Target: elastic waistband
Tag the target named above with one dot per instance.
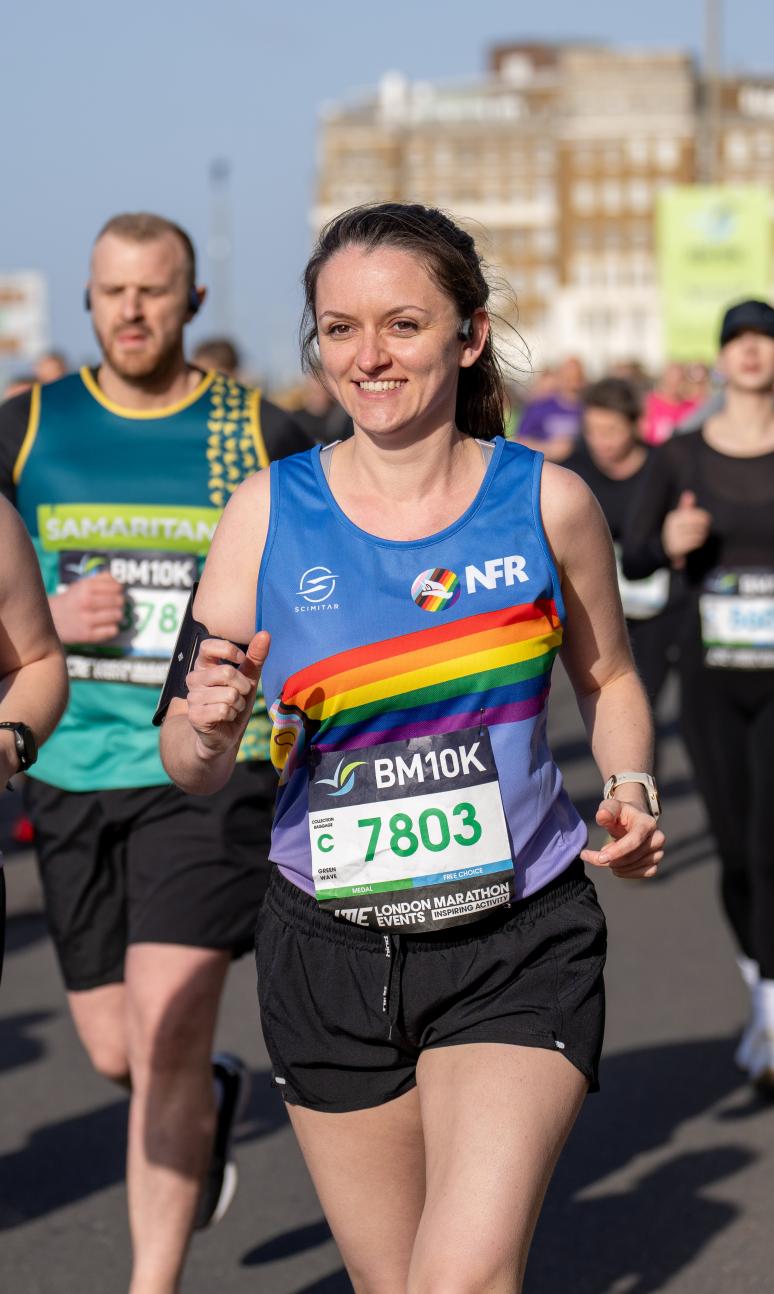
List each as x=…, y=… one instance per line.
x=297, y=908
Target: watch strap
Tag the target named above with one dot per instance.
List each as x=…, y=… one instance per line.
x=26, y=745
x=644, y=779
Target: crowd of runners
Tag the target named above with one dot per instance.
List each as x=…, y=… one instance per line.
x=341, y=620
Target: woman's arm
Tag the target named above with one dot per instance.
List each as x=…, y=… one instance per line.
x=598, y=660
x=200, y=736
x=33, y=674
x=665, y=524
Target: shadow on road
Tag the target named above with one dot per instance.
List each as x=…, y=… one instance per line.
x=18, y=1043
x=634, y=1238
x=336, y=1283
x=63, y=1162
x=288, y=1244
x=24, y=929
x=77, y=1157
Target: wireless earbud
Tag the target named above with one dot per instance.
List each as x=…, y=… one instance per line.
x=87, y=299
x=464, y=330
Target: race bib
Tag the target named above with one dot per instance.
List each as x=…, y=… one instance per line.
x=737, y=619
x=642, y=599
x=157, y=588
x=410, y=835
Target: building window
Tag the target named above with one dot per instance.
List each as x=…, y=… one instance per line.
x=584, y=269
x=583, y=195
x=544, y=240
x=637, y=150
x=544, y=280
x=642, y=268
x=639, y=195
x=737, y=147
x=667, y=154
x=611, y=196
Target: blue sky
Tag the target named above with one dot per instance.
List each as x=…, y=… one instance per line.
x=111, y=107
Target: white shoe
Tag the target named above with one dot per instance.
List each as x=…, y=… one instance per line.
x=761, y=1063
x=744, y=1052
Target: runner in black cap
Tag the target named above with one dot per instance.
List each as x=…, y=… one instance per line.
x=708, y=510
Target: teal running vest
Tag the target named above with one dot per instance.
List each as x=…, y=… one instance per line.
x=138, y=494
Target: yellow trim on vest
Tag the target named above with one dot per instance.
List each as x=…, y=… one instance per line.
x=33, y=422
x=255, y=427
x=165, y=412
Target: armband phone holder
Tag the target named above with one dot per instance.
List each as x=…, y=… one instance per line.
x=189, y=639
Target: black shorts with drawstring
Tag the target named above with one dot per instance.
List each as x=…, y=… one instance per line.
x=347, y=1011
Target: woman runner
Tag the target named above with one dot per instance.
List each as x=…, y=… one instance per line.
x=430, y=954
x=707, y=507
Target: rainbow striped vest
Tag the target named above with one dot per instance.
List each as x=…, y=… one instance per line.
x=375, y=640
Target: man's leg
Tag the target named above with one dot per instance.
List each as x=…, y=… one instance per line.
x=172, y=997
x=81, y=860
x=99, y=1016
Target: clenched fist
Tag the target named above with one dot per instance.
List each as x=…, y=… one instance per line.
x=221, y=691
x=685, y=529
x=90, y=610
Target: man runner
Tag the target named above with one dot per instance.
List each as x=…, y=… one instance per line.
x=120, y=474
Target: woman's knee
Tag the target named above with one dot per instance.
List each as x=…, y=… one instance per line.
x=443, y=1278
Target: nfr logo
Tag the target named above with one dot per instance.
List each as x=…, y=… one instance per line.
x=496, y=569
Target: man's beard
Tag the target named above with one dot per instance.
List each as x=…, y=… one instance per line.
x=148, y=366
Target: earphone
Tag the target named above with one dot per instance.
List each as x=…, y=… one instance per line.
x=193, y=300
x=464, y=330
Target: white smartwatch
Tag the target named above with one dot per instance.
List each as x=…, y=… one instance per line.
x=644, y=779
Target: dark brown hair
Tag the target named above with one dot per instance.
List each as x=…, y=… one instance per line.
x=450, y=255
x=614, y=394
x=144, y=227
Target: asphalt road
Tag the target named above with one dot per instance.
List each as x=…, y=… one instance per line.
x=665, y=1184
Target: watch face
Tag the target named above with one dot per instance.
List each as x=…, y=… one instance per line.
x=26, y=745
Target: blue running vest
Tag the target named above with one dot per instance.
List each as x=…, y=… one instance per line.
x=375, y=640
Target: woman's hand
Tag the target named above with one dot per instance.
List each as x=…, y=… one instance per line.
x=221, y=692
x=685, y=529
x=637, y=845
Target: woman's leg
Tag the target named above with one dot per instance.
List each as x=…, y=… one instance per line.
x=368, y=1168
x=760, y=835
x=495, y=1117
x=716, y=729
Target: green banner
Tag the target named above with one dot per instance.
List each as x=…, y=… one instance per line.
x=714, y=248
x=105, y=526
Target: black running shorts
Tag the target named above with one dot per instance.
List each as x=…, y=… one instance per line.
x=151, y=865
x=346, y=1011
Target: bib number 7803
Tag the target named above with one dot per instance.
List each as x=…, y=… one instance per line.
x=435, y=831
